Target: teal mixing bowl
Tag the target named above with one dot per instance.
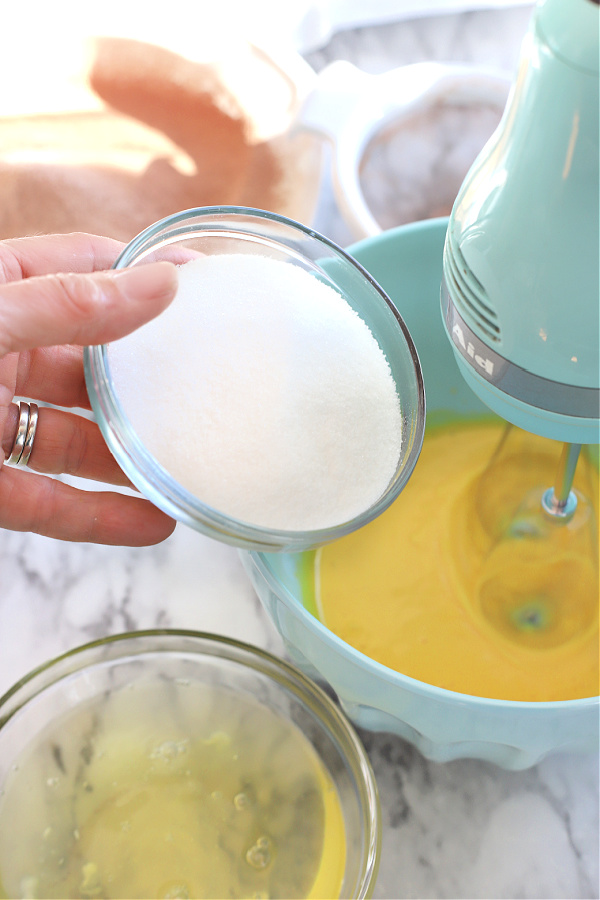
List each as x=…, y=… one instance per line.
x=444, y=725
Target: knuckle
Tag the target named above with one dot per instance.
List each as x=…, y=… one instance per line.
x=82, y=292
x=84, y=299
x=76, y=448
x=10, y=268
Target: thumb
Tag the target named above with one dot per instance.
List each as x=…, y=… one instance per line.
x=91, y=308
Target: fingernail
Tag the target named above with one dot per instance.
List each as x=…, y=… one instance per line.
x=148, y=281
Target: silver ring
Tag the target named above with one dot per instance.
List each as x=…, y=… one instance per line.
x=23, y=445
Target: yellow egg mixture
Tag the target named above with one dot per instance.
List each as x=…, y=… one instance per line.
x=173, y=790
x=464, y=583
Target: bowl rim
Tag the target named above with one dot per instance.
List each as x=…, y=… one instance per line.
x=155, y=481
x=284, y=673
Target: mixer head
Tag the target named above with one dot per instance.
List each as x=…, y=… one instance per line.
x=520, y=294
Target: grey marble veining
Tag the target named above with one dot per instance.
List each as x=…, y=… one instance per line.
x=491, y=37
x=467, y=829
x=463, y=829
x=54, y=596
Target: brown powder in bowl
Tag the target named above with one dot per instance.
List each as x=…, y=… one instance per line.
x=157, y=133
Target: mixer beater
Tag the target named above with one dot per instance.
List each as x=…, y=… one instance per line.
x=560, y=501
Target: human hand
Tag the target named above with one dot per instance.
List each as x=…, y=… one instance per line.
x=45, y=320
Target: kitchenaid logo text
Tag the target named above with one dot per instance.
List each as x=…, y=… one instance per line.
x=469, y=350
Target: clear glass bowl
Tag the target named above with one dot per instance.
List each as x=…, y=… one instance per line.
x=214, y=230
x=91, y=675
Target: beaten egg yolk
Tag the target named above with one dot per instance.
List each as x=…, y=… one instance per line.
x=464, y=582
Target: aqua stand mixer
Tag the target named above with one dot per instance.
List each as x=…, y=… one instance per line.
x=520, y=295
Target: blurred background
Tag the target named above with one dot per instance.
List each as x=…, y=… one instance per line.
x=115, y=115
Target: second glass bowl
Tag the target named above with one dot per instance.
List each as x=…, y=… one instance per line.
x=215, y=230
x=154, y=760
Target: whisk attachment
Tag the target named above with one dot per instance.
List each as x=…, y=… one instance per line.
x=560, y=501
x=528, y=554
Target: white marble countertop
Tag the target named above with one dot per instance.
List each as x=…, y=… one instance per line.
x=462, y=829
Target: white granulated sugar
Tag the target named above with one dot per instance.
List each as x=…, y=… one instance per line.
x=264, y=394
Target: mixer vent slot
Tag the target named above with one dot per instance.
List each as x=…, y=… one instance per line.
x=469, y=295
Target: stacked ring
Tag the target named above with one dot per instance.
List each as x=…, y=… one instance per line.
x=23, y=444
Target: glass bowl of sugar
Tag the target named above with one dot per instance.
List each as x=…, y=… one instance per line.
x=278, y=402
